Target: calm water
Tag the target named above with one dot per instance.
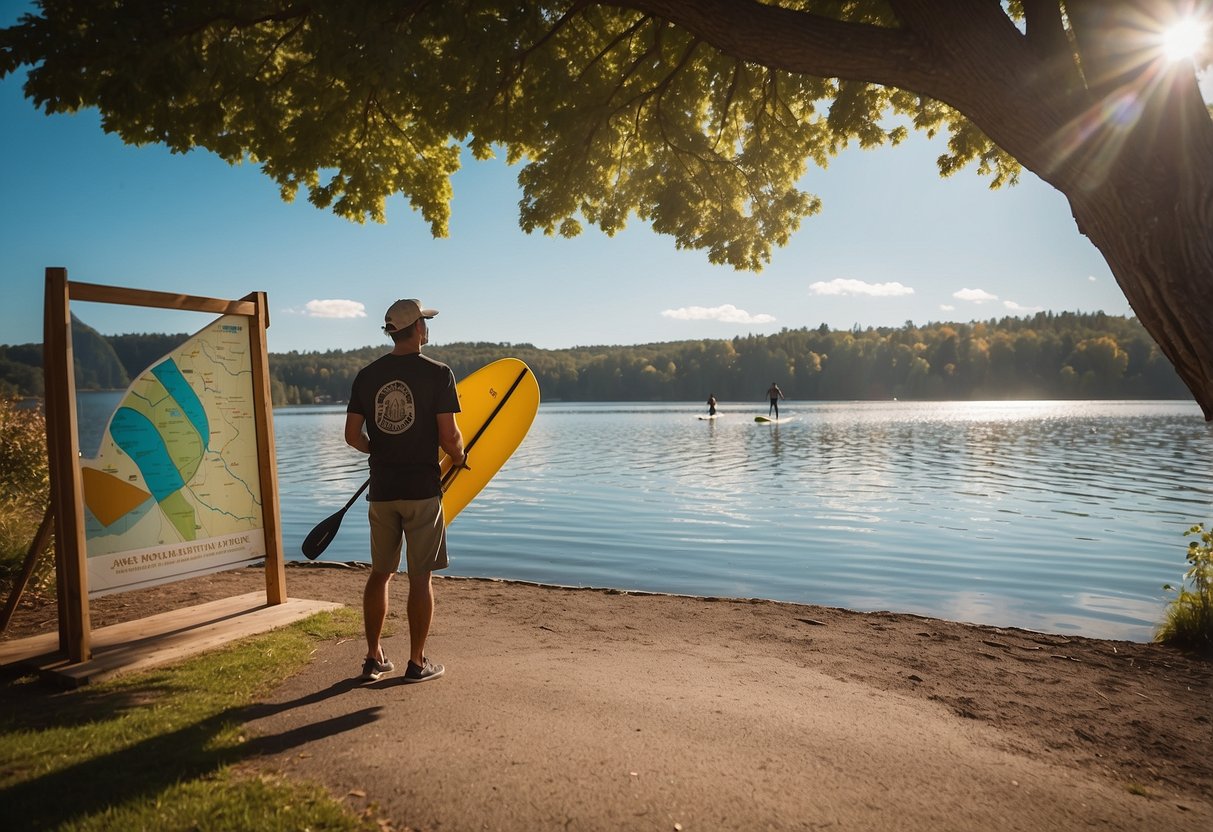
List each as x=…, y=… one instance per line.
x=1058, y=516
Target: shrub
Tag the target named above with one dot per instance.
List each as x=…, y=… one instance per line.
x=24, y=469
x=1189, y=617
x=24, y=491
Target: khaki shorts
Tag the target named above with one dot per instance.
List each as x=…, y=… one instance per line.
x=417, y=523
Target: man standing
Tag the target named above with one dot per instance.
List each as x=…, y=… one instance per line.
x=402, y=409
x=774, y=394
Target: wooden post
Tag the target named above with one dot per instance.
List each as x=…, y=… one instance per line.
x=67, y=489
x=267, y=459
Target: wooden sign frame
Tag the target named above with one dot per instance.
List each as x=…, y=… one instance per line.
x=63, y=443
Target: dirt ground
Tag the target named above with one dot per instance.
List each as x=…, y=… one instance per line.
x=901, y=721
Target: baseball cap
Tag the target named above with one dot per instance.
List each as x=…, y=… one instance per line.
x=404, y=313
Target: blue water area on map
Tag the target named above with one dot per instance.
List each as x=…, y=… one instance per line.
x=94, y=528
x=139, y=439
x=168, y=374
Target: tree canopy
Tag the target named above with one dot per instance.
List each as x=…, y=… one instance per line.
x=699, y=117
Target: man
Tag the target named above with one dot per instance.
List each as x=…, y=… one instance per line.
x=774, y=394
x=402, y=409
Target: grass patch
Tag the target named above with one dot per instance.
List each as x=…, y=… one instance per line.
x=230, y=801
x=160, y=750
x=1188, y=621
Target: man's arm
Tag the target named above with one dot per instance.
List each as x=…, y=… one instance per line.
x=450, y=438
x=355, y=436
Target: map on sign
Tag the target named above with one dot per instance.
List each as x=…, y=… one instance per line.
x=174, y=490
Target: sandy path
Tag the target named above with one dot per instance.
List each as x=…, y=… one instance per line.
x=590, y=710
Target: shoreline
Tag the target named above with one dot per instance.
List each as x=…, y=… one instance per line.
x=741, y=599
x=1153, y=625
x=1131, y=719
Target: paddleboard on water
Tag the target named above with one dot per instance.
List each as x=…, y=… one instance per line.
x=767, y=420
x=497, y=404
x=708, y=418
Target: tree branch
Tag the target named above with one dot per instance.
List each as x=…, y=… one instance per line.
x=287, y=35
x=798, y=41
x=1044, y=29
x=193, y=28
x=1100, y=31
x=1046, y=35
x=728, y=104
x=626, y=34
x=967, y=54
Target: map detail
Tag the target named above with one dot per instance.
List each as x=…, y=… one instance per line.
x=174, y=489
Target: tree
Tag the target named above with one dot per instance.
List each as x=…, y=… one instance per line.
x=95, y=362
x=697, y=116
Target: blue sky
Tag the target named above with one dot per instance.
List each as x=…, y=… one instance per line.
x=114, y=214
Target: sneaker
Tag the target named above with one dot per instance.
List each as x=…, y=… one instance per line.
x=422, y=672
x=372, y=670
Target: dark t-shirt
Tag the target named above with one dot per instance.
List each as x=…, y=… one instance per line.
x=400, y=397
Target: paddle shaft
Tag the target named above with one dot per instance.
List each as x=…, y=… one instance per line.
x=346, y=507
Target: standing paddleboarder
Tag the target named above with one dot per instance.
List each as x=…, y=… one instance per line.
x=402, y=409
x=774, y=394
x=711, y=404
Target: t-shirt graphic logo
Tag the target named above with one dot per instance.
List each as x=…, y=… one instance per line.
x=394, y=409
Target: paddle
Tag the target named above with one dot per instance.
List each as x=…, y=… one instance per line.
x=319, y=538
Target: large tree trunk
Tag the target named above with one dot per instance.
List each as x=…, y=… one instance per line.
x=1158, y=241
x=1141, y=189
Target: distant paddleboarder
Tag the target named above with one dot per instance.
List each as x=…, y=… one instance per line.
x=774, y=394
x=711, y=404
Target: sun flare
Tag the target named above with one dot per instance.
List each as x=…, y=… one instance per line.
x=1183, y=39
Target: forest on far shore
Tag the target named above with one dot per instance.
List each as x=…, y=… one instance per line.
x=1067, y=355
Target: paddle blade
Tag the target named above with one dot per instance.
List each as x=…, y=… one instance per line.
x=319, y=538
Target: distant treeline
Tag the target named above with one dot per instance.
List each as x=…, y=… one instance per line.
x=1048, y=356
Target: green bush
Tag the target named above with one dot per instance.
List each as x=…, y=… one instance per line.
x=1189, y=617
x=24, y=492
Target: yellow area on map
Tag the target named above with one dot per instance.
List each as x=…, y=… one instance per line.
x=109, y=497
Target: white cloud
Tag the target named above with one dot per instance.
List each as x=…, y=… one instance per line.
x=1012, y=306
x=947, y=307
x=728, y=313
x=847, y=286
x=974, y=295
x=334, y=309
x=1091, y=278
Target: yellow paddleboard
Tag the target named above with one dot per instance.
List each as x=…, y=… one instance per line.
x=497, y=404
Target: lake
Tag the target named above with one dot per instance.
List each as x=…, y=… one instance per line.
x=1065, y=517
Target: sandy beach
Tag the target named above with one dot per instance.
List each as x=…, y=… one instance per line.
x=596, y=709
